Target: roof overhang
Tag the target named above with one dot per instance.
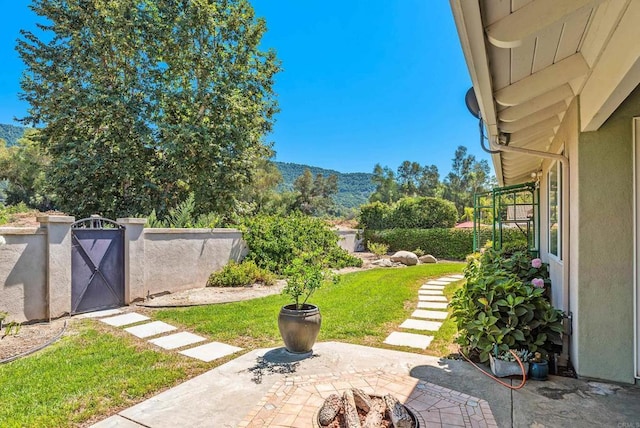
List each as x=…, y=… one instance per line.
x=528, y=59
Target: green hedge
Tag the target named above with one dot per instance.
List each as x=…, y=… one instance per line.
x=409, y=212
x=452, y=244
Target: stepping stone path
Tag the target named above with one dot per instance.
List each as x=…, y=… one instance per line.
x=157, y=331
x=432, y=310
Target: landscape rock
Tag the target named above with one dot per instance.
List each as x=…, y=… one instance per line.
x=405, y=257
x=428, y=258
x=383, y=263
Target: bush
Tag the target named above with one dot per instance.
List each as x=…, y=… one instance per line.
x=451, y=244
x=7, y=212
x=495, y=308
x=239, y=275
x=378, y=248
x=408, y=212
x=423, y=213
x=374, y=216
x=274, y=241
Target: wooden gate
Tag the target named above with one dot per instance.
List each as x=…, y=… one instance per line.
x=97, y=265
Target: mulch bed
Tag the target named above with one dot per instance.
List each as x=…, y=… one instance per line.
x=29, y=337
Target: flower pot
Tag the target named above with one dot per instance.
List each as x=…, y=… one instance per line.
x=502, y=368
x=539, y=370
x=299, y=328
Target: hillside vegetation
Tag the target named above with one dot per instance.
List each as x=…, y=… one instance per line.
x=354, y=188
x=11, y=133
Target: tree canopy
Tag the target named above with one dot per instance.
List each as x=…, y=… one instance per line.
x=140, y=103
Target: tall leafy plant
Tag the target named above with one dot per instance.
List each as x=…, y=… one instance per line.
x=497, y=308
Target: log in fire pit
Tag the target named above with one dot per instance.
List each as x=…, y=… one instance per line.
x=355, y=409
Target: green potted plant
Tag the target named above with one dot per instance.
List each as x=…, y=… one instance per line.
x=504, y=363
x=299, y=322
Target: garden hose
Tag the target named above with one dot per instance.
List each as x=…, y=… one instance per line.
x=524, y=373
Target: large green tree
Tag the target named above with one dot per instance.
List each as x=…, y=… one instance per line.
x=467, y=177
x=314, y=196
x=142, y=102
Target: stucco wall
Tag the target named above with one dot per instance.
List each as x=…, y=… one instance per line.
x=350, y=239
x=605, y=265
x=23, y=273
x=180, y=259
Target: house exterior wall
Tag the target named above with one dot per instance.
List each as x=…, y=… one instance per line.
x=604, y=311
x=180, y=259
x=23, y=280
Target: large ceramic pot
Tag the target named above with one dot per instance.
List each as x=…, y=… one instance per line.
x=299, y=328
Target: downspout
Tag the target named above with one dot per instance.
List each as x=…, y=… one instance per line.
x=565, y=172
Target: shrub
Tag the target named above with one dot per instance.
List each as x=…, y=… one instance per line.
x=418, y=252
x=378, y=248
x=495, y=307
x=274, y=241
x=239, y=275
x=183, y=216
x=423, y=213
x=7, y=212
x=451, y=244
x=374, y=216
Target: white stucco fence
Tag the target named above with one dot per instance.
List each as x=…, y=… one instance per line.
x=35, y=262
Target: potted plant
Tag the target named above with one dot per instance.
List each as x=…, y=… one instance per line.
x=504, y=363
x=539, y=368
x=299, y=322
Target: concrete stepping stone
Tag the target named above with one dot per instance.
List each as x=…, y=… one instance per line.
x=177, y=340
x=100, y=314
x=210, y=351
x=457, y=276
x=447, y=280
x=432, y=287
x=437, y=282
x=430, y=315
x=421, y=325
x=411, y=340
x=125, y=319
x=430, y=292
x=432, y=305
x=150, y=329
x=432, y=298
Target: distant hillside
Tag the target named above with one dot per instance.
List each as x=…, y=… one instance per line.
x=354, y=188
x=11, y=133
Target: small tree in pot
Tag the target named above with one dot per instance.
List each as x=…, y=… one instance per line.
x=299, y=322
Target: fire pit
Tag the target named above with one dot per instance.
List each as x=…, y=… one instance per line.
x=358, y=409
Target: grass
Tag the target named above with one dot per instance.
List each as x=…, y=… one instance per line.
x=363, y=308
x=442, y=344
x=86, y=374
x=96, y=370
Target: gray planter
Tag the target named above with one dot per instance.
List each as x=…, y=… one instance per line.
x=299, y=327
x=502, y=368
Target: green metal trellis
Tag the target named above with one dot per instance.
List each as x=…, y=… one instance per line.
x=514, y=207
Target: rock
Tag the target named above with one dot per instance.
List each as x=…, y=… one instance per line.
x=428, y=258
x=375, y=416
x=382, y=263
x=362, y=400
x=399, y=415
x=405, y=257
x=329, y=409
x=351, y=418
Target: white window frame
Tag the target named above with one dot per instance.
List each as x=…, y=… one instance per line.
x=556, y=168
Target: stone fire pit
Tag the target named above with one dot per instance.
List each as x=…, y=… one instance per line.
x=356, y=409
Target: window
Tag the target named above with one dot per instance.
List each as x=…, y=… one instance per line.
x=554, y=197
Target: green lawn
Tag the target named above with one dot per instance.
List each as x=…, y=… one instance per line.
x=88, y=373
x=363, y=308
x=96, y=370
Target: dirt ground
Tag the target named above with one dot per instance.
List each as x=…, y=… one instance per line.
x=29, y=337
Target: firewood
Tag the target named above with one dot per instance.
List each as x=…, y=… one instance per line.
x=363, y=401
x=399, y=415
x=331, y=407
x=351, y=418
x=375, y=416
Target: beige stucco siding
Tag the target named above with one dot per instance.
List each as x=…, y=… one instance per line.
x=23, y=273
x=604, y=323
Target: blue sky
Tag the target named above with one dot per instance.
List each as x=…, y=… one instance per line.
x=364, y=81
